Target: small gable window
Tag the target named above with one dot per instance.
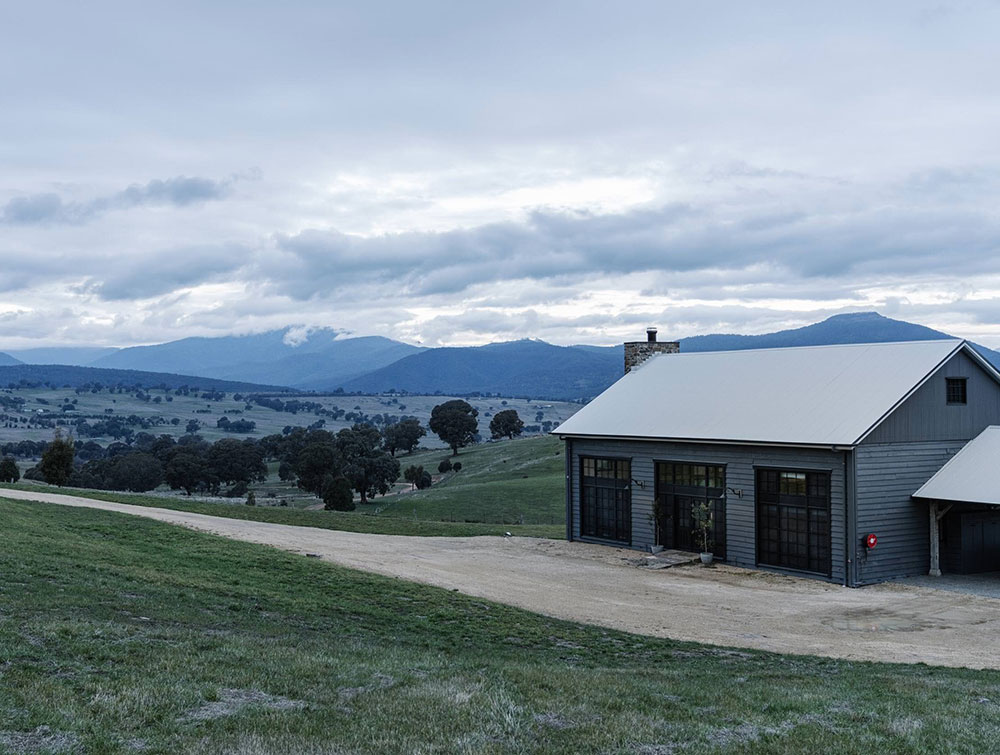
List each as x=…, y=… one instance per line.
x=957, y=390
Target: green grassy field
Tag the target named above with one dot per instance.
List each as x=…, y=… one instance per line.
x=347, y=521
x=512, y=481
x=509, y=486
x=125, y=635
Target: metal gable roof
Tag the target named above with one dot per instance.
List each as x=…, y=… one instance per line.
x=813, y=395
x=972, y=475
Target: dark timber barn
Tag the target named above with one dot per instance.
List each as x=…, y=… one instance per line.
x=800, y=453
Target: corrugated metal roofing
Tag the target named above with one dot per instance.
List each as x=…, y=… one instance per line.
x=815, y=395
x=972, y=475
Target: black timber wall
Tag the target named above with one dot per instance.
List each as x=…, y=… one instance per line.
x=740, y=462
x=887, y=475
x=905, y=451
x=926, y=415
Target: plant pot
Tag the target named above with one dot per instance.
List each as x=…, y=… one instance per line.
x=706, y=558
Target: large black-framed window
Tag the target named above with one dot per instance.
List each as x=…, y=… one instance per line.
x=606, y=498
x=957, y=390
x=682, y=490
x=793, y=519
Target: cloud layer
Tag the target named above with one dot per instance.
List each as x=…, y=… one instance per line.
x=463, y=173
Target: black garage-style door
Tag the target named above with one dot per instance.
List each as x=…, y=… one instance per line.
x=793, y=519
x=682, y=491
x=606, y=499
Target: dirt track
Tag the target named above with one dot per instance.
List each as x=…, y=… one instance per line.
x=600, y=585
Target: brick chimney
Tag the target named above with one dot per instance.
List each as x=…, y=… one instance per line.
x=637, y=352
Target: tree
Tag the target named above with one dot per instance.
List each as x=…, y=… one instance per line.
x=404, y=435
x=235, y=461
x=444, y=466
x=286, y=472
x=8, y=470
x=188, y=471
x=192, y=426
x=56, y=465
x=137, y=472
x=412, y=474
x=506, y=424
x=454, y=422
x=366, y=465
x=315, y=463
x=337, y=494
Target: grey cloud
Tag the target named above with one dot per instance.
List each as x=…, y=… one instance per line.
x=50, y=209
x=672, y=238
x=145, y=277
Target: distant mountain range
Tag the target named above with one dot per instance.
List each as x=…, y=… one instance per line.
x=322, y=360
x=515, y=368
x=73, y=376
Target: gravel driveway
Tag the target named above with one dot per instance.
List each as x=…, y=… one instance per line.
x=599, y=585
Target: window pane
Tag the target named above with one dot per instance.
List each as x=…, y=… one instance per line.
x=793, y=483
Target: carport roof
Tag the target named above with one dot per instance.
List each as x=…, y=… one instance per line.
x=970, y=476
x=811, y=395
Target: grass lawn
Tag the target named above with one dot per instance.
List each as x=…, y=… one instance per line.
x=347, y=521
x=511, y=482
x=119, y=634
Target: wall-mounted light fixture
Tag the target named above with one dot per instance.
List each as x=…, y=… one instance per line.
x=638, y=483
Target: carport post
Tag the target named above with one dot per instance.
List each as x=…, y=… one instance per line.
x=935, y=545
x=936, y=516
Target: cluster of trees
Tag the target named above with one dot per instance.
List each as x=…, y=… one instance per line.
x=334, y=466
x=23, y=449
x=190, y=464
x=235, y=426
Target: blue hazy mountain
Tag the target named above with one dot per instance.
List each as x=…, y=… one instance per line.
x=61, y=375
x=538, y=369
x=316, y=360
x=857, y=327
x=7, y=359
x=514, y=368
x=79, y=356
x=322, y=361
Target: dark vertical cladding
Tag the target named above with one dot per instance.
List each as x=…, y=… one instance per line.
x=637, y=352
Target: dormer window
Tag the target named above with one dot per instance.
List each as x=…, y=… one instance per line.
x=957, y=390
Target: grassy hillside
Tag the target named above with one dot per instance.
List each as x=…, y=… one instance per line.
x=514, y=482
x=122, y=635
x=346, y=521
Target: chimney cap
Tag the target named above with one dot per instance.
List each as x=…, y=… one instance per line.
x=651, y=334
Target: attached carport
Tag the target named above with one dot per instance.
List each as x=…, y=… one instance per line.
x=963, y=501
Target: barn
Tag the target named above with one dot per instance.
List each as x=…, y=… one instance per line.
x=800, y=454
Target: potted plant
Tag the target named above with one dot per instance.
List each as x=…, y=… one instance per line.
x=706, y=525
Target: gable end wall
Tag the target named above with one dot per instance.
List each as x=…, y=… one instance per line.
x=926, y=415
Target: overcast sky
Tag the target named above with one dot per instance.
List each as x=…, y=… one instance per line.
x=465, y=172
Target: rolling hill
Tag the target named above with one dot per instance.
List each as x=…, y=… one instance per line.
x=79, y=356
x=317, y=360
x=321, y=361
x=73, y=376
x=7, y=359
x=514, y=368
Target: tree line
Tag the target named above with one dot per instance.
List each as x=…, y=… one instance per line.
x=333, y=466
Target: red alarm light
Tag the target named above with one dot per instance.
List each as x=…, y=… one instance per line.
x=871, y=540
